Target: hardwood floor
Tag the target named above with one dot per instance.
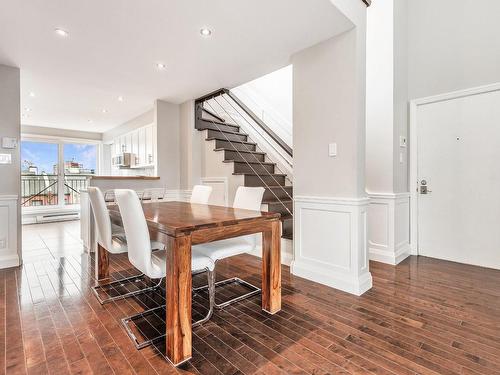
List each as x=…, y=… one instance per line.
x=424, y=316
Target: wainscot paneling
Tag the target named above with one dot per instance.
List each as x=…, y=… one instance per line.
x=330, y=242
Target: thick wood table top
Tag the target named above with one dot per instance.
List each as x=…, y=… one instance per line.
x=180, y=218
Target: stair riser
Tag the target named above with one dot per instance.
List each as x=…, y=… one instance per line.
x=253, y=158
x=237, y=146
x=270, y=181
x=287, y=227
x=284, y=193
x=284, y=209
x=253, y=168
x=226, y=136
x=202, y=125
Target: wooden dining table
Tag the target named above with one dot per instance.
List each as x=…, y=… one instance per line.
x=179, y=225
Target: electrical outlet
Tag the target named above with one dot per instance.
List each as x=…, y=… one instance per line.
x=3, y=243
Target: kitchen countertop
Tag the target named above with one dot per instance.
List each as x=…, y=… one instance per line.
x=124, y=178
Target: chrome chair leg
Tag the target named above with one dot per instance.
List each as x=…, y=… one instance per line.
x=140, y=345
x=254, y=290
x=121, y=283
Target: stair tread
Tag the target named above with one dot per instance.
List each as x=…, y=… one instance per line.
x=274, y=200
x=259, y=174
x=244, y=151
x=217, y=122
x=227, y=131
x=248, y=162
x=232, y=141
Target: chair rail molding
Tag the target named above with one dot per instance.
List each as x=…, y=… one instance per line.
x=340, y=261
x=389, y=227
x=9, y=256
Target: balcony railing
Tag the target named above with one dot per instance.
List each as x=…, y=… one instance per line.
x=42, y=190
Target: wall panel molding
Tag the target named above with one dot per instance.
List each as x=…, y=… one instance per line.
x=330, y=244
x=9, y=256
x=389, y=228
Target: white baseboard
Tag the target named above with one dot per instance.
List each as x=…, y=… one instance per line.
x=389, y=228
x=7, y=261
x=331, y=242
x=9, y=227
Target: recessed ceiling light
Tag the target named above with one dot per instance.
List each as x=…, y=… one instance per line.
x=27, y=109
x=104, y=111
x=32, y=94
x=61, y=32
x=120, y=98
x=161, y=66
x=205, y=32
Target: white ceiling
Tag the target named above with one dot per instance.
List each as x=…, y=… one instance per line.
x=113, y=47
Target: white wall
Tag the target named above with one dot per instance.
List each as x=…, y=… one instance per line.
x=325, y=105
x=271, y=98
x=167, y=119
x=330, y=204
x=191, y=148
x=144, y=119
x=379, y=97
x=386, y=122
x=10, y=181
x=452, y=45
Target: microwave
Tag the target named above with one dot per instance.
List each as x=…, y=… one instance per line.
x=125, y=160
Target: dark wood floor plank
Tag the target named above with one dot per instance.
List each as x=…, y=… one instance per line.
x=423, y=316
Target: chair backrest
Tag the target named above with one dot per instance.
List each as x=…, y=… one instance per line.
x=201, y=194
x=136, y=230
x=248, y=198
x=101, y=216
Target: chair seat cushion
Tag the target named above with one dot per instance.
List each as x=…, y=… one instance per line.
x=119, y=243
x=227, y=248
x=199, y=262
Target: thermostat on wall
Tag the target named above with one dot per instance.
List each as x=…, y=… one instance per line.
x=9, y=143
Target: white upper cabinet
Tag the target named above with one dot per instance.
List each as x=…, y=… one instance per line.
x=139, y=142
x=141, y=153
x=150, y=145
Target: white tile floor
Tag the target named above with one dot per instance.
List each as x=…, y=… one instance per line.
x=51, y=241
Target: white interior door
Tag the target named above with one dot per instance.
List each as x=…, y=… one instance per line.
x=459, y=159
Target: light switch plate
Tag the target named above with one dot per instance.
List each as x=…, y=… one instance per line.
x=332, y=149
x=402, y=141
x=5, y=159
x=9, y=143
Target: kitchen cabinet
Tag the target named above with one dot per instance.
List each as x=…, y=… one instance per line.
x=139, y=142
x=150, y=145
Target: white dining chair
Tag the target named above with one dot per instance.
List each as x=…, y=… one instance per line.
x=249, y=198
x=112, y=238
x=153, y=264
x=201, y=194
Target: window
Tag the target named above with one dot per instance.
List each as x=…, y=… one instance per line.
x=54, y=172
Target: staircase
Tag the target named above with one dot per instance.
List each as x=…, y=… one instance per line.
x=254, y=165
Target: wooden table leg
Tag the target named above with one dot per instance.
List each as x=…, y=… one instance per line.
x=271, y=268
x=178, y=300
x=101, y=263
